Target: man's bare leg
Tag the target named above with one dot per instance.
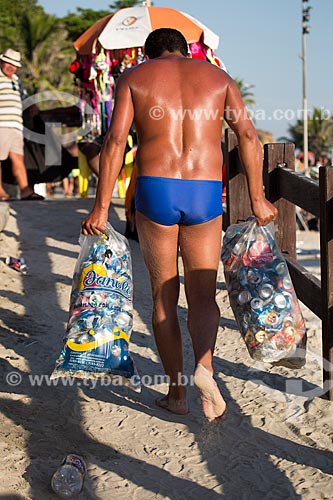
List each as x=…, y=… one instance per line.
x=20, y=173
x=159, y=246
x=201, y=249
x=3, y=194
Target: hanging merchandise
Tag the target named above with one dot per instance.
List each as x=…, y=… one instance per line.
x=103, y=89
x=115, y=42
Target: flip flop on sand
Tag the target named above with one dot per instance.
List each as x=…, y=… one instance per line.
x=179, y=407
x=7, y=198
x=213, y=405
x=32, y=196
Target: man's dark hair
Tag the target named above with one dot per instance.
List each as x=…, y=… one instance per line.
x=165, y=39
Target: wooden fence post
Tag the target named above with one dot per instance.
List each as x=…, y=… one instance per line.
x=326, y=257
x=238, y=200
x=287, y=189
x=276, y=155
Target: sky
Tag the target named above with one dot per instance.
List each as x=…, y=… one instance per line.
x=261, y=43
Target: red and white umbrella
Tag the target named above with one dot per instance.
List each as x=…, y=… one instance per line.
x=129, y=28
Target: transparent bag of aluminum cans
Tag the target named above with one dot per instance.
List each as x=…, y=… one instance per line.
x=262, y=295
x=101, y=312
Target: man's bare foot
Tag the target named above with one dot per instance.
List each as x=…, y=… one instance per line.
x=213, y=405
x=178, y=406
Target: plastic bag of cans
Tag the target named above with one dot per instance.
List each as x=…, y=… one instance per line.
x=100, y=316
x=262, y=295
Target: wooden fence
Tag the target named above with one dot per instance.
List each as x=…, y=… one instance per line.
x=288, y=189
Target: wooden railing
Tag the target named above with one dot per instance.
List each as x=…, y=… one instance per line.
x=288, y=190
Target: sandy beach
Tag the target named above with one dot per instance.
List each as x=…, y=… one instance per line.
x=276, y=442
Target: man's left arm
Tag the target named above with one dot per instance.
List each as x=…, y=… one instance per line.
x=111, y=157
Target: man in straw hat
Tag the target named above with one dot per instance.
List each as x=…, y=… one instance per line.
x=178, y=105
x=11, y=125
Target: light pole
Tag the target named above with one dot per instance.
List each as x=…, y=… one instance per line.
x=305, y=31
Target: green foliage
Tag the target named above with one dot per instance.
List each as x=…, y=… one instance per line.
x=123, y=4
x=41, y=39
x=77, y=23
x=10, y=21
x=320, y=132
x=45, y=41
x=47, y=52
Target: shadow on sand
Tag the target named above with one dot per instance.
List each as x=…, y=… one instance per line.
x=232, y=451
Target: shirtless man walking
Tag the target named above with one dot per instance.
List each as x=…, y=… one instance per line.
x=178, y=104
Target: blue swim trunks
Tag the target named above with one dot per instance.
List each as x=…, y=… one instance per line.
x=170, y=201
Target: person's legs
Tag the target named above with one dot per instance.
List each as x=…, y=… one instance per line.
x=68, y=185
x=4, y=151
x=94, y=164
x=12, y=147
x=20, y=173
x=159, y=246
x=91, y=150
x=200, y=247
x=3, y=194
x=65, y=186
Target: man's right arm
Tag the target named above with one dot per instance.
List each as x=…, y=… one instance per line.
x=250, y=153
x=111, y=157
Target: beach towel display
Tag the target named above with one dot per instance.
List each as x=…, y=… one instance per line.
x=101, y=312
x=262, y=295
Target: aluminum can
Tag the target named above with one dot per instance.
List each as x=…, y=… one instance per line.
x=17, y=264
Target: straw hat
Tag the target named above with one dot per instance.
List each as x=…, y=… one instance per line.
x=12, y=57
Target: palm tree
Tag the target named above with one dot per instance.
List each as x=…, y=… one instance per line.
x=47, y=53
x=320, y=130
x=295, y=134
x=248, y=99
x=10, y=19
x=245, y=91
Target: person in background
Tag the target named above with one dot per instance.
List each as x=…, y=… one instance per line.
x=91, y=151
x=178, y=105
x=11, y=125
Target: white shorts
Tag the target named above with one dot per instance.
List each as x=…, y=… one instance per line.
x=11, y=141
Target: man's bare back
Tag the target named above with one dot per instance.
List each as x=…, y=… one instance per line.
x=177, y=105
x=180, y=115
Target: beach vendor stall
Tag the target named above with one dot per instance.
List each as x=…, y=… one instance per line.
x=115, y=43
